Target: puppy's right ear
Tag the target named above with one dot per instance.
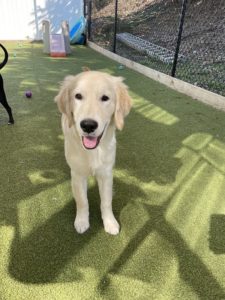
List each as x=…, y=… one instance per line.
x=123, y=103
x=63, y=100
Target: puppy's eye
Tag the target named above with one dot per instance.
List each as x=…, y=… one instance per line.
x=78, y=96
x=105, y=98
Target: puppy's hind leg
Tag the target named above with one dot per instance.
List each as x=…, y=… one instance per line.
x=79, y=189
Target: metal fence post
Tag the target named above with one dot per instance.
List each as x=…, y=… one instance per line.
x=115, y=26
x=183, y=11
x=85, y=8
x=89, y=20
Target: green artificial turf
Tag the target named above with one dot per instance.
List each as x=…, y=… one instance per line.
x=169, y=184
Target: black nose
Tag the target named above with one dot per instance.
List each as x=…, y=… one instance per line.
x=88, y=125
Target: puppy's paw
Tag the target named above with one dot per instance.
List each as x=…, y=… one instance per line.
x=81, y=225
x=111, y=226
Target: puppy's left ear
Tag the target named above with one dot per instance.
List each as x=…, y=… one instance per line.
x=123, y=103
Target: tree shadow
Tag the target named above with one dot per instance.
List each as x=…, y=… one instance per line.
x=217, y=234
x=154, y=147
x=191, y=269
x=41, y=256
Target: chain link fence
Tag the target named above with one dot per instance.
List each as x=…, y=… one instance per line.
x=182, y=38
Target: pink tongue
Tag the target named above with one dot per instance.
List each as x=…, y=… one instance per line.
x=90, y=142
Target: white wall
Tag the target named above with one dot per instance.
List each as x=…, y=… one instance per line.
x=22, y=18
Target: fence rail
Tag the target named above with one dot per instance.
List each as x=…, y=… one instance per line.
x=182, y=38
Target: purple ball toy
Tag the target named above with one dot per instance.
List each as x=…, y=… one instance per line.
x=28, y=94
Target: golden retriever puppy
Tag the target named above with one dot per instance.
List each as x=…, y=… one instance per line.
x=93, y=104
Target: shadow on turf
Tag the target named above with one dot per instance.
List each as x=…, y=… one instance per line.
x=217, y=234
x=191, y=269
x=151, y=150
x=42, y=255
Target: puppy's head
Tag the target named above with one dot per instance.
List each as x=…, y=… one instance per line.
x=92, y=101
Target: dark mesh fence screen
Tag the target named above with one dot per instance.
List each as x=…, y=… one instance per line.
x=147, y=32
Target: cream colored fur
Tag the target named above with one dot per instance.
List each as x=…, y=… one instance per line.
x=109, y=115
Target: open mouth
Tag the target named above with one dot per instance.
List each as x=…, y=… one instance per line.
x=91, y=142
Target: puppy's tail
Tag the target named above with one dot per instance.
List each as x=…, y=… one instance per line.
x=4, y=62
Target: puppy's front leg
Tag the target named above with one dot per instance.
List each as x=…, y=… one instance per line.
x=105, y=182
x=79, y=188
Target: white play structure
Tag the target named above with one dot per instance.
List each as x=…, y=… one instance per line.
x=58, y=44
x=55, y=44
